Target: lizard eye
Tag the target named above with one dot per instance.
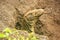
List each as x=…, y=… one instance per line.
x=30, y=17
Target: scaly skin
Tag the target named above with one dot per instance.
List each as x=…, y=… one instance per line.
x=33, y=16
